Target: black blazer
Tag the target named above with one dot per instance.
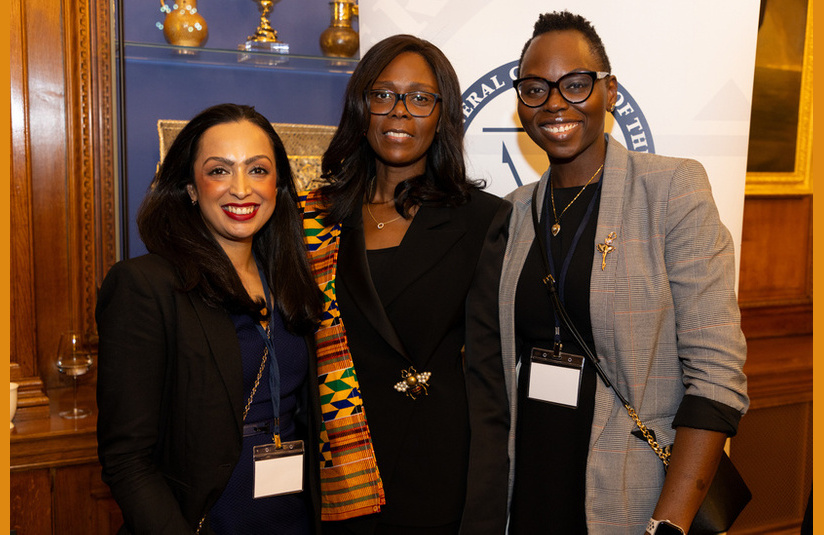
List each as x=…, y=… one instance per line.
x=441, y=294
x=170, y=398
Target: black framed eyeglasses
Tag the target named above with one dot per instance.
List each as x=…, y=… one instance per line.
x=574, y=87
x=417, y=103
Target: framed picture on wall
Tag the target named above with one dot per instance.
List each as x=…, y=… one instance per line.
x=781, y=125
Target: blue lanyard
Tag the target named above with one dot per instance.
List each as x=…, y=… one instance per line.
x=274, y=369
x=568, y=258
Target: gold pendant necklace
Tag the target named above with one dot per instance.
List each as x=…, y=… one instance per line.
x=380, y=224
x=556, y=228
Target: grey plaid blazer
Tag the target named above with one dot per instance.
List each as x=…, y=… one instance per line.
x=664, y=316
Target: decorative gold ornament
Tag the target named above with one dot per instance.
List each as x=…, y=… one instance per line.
x=264, y=33
x=340, y=40
x=414, y=383
x=184, y=25
x=606, y=248
x=265, y=38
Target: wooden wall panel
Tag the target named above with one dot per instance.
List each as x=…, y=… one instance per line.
x=775, y=285
x=31, y=510
x=82, y=503
x=23, y=331
x=63, y=223
x=773, y=452
x=49, y=178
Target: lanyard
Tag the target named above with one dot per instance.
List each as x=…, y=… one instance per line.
x=274, y=369
x=546, y=250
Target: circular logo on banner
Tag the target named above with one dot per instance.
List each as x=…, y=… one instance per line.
x=627, y=114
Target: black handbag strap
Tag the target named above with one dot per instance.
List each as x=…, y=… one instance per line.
x=549, y=281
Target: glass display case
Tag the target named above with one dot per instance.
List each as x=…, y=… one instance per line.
x=160, y=81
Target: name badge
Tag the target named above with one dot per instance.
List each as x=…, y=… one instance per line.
x=555, y=379
x=278, y=471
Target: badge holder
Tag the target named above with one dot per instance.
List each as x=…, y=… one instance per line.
x=555, y=377
x=278, y=470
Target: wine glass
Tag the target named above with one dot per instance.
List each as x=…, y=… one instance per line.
x=74, y=360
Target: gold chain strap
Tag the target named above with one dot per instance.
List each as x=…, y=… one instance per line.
x=663, y=453
x=257, y=379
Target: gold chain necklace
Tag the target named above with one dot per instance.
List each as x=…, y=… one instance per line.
x=380, y=224
x=556, y=228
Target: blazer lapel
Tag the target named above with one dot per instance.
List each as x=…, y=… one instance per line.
x=354, y=269
x=219, y=333
x=602, y=285
x=430, y=237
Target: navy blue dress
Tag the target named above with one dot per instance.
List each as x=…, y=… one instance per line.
x=236, y=511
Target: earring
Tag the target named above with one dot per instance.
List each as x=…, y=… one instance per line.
x=190, y=190
x=611, y=108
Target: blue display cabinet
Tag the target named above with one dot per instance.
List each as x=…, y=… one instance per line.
x=158, y=81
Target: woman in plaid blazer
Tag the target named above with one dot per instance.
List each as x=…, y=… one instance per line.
x=646, y=270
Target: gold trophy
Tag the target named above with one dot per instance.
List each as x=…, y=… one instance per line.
x=265, y=38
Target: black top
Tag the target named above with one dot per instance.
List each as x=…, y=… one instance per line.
x=237, y=512
x=380, y=266
x=553, y=441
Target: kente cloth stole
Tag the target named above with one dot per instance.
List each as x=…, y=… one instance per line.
x=349, y=480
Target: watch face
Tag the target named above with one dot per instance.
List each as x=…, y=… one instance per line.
x=665, y=528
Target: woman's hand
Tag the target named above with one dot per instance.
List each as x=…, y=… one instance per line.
x=695, y=457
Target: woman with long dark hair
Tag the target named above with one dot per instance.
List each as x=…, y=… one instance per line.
x=408, y=250
x=204, y=353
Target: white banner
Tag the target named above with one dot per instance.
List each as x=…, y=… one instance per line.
x=685, y=74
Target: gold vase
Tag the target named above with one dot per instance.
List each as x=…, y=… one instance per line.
x=339, y=40
x=184, y=25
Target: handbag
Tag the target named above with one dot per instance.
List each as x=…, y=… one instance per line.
x=728, y=493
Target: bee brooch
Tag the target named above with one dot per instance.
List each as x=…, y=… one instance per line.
x=414, y=383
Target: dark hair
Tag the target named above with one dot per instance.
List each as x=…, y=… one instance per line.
x=349, y=162
x=171, y=226
x=558, y=21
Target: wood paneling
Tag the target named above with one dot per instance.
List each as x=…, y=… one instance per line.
x=775, y=285
x=63, y=203
x=775, y=264
x=31, y=510
x=56, y=485
x=779, y=371
x=23, y=328
x=82, y=503
x=773, y=452
x=773, y=449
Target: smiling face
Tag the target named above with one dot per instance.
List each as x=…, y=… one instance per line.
x=400, y=140
x=567, y=132
x=235, y=181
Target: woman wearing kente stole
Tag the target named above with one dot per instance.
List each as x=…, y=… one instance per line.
x=408, y=251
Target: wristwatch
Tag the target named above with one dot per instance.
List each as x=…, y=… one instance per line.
x=663, y=527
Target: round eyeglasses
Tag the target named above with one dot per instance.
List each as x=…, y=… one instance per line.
x=574, y=87
x=417, y=103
